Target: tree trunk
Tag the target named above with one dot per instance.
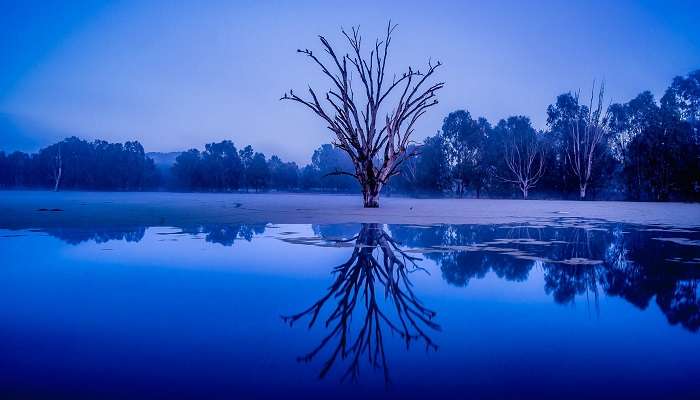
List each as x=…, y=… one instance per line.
x=370, y=196
x=58, y=179
x=524, y=193
x=582, y=192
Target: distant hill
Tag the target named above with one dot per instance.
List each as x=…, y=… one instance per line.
x=163, y=159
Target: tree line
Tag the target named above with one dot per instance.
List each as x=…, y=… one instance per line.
x=643, y=149
x=78, y=164
x=222, y=167
x=74, y=164
x=638, y=150
x=629, y=263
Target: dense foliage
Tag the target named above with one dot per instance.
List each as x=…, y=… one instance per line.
x=649, y=151
x=77, y=164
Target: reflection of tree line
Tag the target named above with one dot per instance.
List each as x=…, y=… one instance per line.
x=632, y=265
x=76, y=236
x=371, y=293
x=575, y=261
x=224, y=234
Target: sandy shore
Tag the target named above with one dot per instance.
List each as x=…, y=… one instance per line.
x=33, y=209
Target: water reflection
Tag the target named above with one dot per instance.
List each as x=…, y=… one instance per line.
x=589, y=258
x=223, y=234
x=201, y=304
x=371, y=295
x=578, y=258
x=76, y=236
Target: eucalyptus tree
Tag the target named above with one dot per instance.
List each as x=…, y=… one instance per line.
x=584, y=132
x=686, y=93
x=372, y=120
x=466, y=146
x=586, y=136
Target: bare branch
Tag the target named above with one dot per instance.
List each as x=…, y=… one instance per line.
x=375, y=148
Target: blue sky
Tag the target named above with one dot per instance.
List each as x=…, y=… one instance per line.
x=175, y=74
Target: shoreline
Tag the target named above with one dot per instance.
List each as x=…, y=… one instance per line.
x=40, y=209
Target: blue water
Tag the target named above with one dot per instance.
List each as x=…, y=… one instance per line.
x=565, y=309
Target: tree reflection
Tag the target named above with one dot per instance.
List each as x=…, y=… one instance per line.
x=459, y=266
x=75, y=236
x=581, y=273
x=226, y=234
x=371, y=293
x=223, y=234
x=681, y=303
x=577, y=258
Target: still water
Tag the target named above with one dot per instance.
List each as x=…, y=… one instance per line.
x=568, y=308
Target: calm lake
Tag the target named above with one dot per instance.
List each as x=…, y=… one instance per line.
x=569, y=308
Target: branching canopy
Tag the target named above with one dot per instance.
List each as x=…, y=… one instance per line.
x=373, y=133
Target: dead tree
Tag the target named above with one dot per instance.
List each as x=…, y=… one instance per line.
x=585, y=134
x=375, y=135
x=57, y=168
x=375, y=290
x=524, y=159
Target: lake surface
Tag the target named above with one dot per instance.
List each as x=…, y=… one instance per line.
x=568, y=308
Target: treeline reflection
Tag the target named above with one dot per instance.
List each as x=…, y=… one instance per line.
x=641, y=264
x=636, y=263
x=223, y=234
x=76, y=236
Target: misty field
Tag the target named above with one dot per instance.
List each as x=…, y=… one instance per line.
x=22, y=209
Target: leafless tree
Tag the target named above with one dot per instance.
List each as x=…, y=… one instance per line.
x=57, y=168
x=524, y=159
x=375, y=290
x=585, y=134
x=377, y=148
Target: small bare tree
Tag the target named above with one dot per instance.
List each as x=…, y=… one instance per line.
x=523, y=154
x=586, y=132
x=525, y=162
x=376, y=148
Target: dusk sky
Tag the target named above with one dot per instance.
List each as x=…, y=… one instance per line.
x=176, y=75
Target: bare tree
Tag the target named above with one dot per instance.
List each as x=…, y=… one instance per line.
x=525, y=162
x=57, y=168
x=523, y=154
x=586, y=132
x=376, y=148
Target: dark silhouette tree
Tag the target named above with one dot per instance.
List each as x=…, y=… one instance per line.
x=221, y=166
x=246, y=155
x=283, y=176
x=432, y=167
x=188, y=169
x=466, y=139
x=258, y=173
x=685, y=91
